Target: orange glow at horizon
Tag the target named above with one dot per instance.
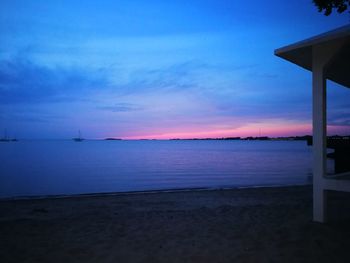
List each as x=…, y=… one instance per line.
x=256, y=130
x=272, y=130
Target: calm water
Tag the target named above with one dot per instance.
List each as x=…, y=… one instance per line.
x=65, y=167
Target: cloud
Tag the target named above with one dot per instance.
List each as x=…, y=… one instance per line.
x=192, y=75
x=121, y=107
x=339, y=118
x=31, y=118
x=23, y=81
x=180, y=95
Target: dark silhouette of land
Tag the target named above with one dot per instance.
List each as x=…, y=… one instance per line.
x=258, y=138
x=307, y=138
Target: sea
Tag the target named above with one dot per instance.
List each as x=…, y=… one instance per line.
x=31, y=168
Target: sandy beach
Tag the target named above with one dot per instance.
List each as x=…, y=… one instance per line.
x=237, y=225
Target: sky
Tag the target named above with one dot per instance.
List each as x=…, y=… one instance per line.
x=136, y=69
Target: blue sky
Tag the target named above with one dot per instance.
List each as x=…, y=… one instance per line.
x=159, y=69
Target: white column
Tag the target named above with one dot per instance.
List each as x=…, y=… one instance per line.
x=319, y=121
x=322, y=56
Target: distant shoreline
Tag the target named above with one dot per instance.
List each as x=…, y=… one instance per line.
x=250, y=138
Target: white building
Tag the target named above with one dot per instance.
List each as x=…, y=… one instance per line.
x=327, y=56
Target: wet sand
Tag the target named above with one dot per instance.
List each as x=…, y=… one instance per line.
x=239, y=225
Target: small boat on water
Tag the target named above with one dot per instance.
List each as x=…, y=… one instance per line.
x=79, y=138
x=6, y=138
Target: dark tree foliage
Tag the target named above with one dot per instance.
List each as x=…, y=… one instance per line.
x=328, y=5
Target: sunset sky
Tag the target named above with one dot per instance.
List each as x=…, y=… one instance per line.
x=159, y=69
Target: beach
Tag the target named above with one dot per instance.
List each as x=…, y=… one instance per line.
x=232, y=225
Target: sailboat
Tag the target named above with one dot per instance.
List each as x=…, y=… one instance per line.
x=79, y=138
x=5, y=138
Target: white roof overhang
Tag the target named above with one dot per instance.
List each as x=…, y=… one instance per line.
x=300, y=54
